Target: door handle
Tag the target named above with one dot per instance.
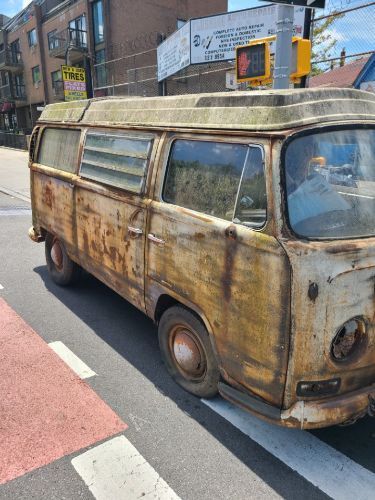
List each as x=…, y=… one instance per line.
x=135, y=231
x=156, y=240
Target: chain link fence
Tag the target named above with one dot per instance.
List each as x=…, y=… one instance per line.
x=344, y=33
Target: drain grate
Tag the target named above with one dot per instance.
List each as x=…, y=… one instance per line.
x=9, y=211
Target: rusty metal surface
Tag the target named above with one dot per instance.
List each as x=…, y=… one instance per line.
x=345, y=275
x=343, y=409
x=220, y=267
x=271, y=304
x=256, y=110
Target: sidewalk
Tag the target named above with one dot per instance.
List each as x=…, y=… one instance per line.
x=14, y=173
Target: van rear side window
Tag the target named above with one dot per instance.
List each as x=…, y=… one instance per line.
x=59, y=149
x=119, y=160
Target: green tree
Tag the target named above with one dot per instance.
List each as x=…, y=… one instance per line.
x=323, y=42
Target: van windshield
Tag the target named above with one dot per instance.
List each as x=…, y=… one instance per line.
x=330, y=184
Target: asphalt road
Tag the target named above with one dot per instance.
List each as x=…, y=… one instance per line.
x=196, y=451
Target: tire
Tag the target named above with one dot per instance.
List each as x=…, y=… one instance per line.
x=187, y=352
x=61, y=268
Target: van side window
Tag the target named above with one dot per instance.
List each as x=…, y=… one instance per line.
x=59, y=149
x=205, y=176
x=116, y=159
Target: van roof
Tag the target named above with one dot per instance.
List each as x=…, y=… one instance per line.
x=251, y=110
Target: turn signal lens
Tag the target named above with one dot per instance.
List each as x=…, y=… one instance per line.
x=348, y=339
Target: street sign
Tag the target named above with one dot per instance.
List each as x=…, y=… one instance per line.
x=215, y=38
x=174, y=53
x=74, y=80
x=311, y=4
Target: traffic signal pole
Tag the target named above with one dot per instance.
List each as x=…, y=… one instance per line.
x=283, y=54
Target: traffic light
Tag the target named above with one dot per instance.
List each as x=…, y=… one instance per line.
x=301, y=58
x=253, y=61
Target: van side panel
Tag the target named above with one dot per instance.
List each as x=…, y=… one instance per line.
x=239, y=278
x=105, y=246
x=53, y=207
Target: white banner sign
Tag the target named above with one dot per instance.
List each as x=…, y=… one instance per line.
x=214, y=38
x=174, y=53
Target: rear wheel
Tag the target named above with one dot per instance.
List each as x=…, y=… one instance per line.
x=61, y=268
x=187, y=352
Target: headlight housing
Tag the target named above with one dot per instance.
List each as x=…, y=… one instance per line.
x=349, y=340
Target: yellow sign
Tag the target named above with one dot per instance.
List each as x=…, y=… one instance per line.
x=74, y=83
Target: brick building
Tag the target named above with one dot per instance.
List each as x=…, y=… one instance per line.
x=48, y=33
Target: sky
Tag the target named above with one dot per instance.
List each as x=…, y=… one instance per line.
x=11, y=7
x=349, y=32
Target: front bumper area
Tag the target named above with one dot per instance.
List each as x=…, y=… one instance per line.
x=342, y=409
x=36, y=235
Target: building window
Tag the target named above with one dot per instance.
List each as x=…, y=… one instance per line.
x=31, y=35
x=4, y=78
x=97, y=14
x=36, y=75
x=100, y=68
x=56, y=80
x=77, y=32
x=19, y=86
x=53, y=42
x=15, y=51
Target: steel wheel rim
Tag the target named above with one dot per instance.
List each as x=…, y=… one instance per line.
x=57, y=254
x=187, y=353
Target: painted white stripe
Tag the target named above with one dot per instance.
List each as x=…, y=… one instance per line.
x=1, y=287
x=73, y=361
x=116, y=470
x=332, y=472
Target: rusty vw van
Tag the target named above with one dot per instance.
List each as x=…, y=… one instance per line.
x=242, y=223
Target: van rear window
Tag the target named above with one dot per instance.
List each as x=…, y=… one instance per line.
x=119, y=160
x=59, y=149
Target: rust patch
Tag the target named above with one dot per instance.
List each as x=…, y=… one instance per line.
x=199, y=236
x=230, y=253
x=85, y=242
x=48, y=196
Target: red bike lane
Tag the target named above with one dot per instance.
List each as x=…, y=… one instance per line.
x=46, y=410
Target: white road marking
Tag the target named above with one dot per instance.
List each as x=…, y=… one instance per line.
x=116, y=470
x=73, y=361
x=331, y=471
x=1, y=287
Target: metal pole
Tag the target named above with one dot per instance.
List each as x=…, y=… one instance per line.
x=283, y=56
x=307, y=34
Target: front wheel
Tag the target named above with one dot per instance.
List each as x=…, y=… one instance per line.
x=187, y=352
x=61, y=268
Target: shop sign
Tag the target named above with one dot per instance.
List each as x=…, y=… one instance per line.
x=74, y=80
